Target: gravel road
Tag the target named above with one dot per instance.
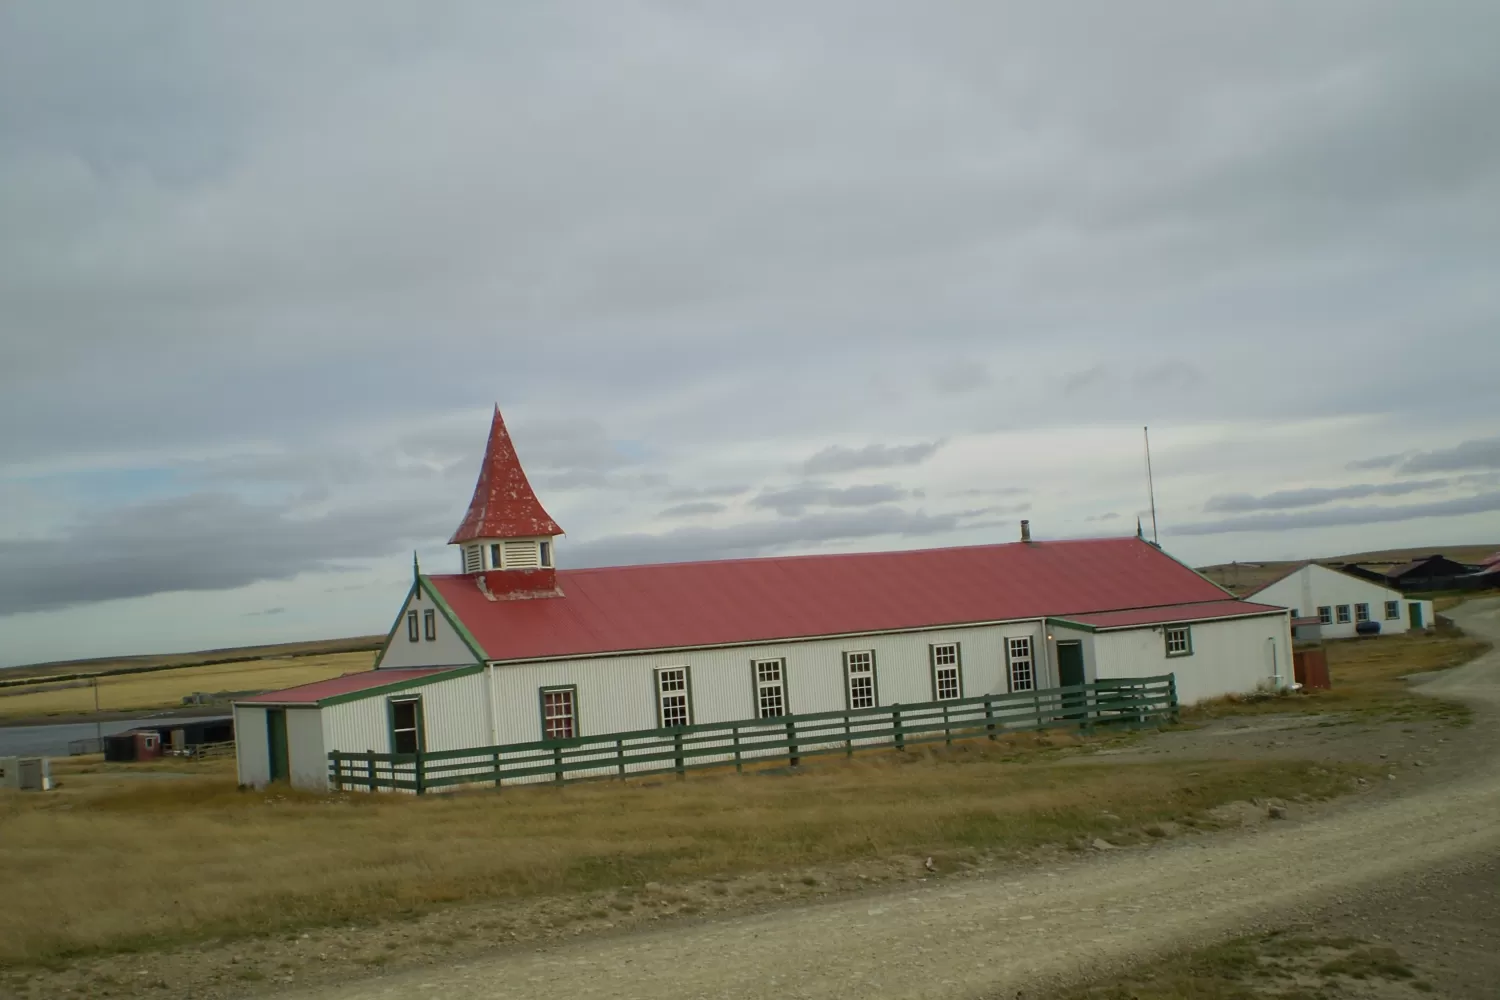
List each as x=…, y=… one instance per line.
x=1001, y=936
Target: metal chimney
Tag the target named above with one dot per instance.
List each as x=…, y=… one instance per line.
x=1025, y=531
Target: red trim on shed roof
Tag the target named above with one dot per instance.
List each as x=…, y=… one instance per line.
x=1204, y=611
x=740, y=601
x=504, y=505
x=311, y=694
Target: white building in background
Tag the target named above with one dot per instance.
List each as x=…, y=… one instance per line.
x=513, y=650
x=1342, y=602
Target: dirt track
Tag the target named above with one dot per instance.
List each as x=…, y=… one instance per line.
x=1001, y=936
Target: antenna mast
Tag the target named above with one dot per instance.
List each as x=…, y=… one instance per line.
x=1151, y=486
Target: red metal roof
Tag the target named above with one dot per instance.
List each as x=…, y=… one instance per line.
x=1174, y=613
x=625, y=608
x=504, y=505
x=311, y=694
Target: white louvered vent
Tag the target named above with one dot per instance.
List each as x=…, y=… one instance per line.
x=471, y=559
x=521, y=555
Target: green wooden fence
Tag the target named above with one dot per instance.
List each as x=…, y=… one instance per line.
x=1126, y=702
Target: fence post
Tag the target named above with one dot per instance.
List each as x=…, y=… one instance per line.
x=791, y=742
x=739, y=764
x=338, y=771
x=557, y=763
x=678, y=758
x=419, y=778
x=848, y=736
x=989, y=715
x=1172, y=712
x=496, y=766
x=620, y=756
x=947, y=729
x=370, y=765
x=896, y=725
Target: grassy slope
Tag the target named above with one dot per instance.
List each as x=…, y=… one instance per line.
x=166, y=688
x=1367, y=677
x=208, y=860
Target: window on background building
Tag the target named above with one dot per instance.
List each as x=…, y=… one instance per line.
x=1325, y=614
x=1296, y=613
x=1392, y=610
x=946, y=682
x=672, y=697
x=406, y=725
x=1179, y=640
x=412, y=631
x=1343, y=610
x=559, y=713
x=1022, y=668
x=429, y=624
x=1361, y=612
x=860, y=673
x=770, y=688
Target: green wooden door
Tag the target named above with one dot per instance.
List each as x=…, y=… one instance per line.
x=1070, y=674
x=1416, y=614
x=276, y=742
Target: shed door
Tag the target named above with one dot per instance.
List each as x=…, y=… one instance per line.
x=1416, y=614
x=1070, y=674
x=276, y=742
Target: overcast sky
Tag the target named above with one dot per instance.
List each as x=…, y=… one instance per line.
x=745, y=278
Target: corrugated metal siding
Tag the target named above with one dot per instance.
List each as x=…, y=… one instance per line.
x=1229, y=657
x=1315, y=586
x=454, y=717
x=1086, y=639
x=306, y=759
x=447, y=650
x=617, y=694
x=252, y=757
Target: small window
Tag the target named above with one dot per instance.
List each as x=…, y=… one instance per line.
x=1392, y=610
x=521, y=555
x=770, y=688
x=545, y=548
x=1361, y=612
x=473, y=559
x=1325, y=614
x=406, y=726
x=559, y=713
x=1179, y=640
x=1343, y=610
x=412, y=633
x=859, y=673
x=429, y=624
x=672, y=702
x=494, y=555
x=947, y=683
x=1022, y=671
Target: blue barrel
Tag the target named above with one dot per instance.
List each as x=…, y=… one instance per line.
x=1367, y=628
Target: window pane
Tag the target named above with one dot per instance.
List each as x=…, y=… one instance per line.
x=557, y=715
x=947, y=683
x=429, y=623
x=411, y=626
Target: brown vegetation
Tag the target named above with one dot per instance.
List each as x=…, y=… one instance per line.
x=112, y=863
x=1369, y=677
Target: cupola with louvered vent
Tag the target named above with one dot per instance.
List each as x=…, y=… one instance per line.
x=506, y=538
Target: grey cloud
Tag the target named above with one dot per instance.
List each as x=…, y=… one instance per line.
x=837, y=458
x=705, y=492
x=961, y=376
x=202, y=541
x=1111, y=516
x=1178, y=375
x=1313, y=496
x=694, y=508
x=1378, y=462
x=793, y=500
x=1484, y=503
x=1001, y=491
x=265, y=612
x=758, y=538
x=1082, y=379
x=1480, y=454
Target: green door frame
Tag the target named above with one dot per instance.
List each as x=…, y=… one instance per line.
x=1414, y=609
x=1075, y=703
x=276, y=745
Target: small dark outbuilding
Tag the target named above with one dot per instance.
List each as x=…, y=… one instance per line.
x=1433, y=573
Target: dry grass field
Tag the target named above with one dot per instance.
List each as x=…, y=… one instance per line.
x=314, y=647
x=114, y=862
x=1367, y=677
x=166, y=688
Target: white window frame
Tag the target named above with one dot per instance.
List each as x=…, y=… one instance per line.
x=1179, y=639
x=415, y=729
x=429, y=624
x=1343, y=614
x=1362, y=612
x=559, y=708
x=473, y=559
x=859, y=680
x=413, y=630
x=947, y=671
x=1020, y=663
x=674, y=697
x=1392, y=611
x=769, y=677
x=1325, y=614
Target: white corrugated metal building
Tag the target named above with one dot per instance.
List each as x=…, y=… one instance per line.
x=1342, y=602
x=512, y=650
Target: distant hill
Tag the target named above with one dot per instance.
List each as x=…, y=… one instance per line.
x=1244, y=577
x=106, y=664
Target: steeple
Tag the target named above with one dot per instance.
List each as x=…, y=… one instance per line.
x=506, y=535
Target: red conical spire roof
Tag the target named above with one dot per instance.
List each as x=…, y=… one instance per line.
x=504, y=505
